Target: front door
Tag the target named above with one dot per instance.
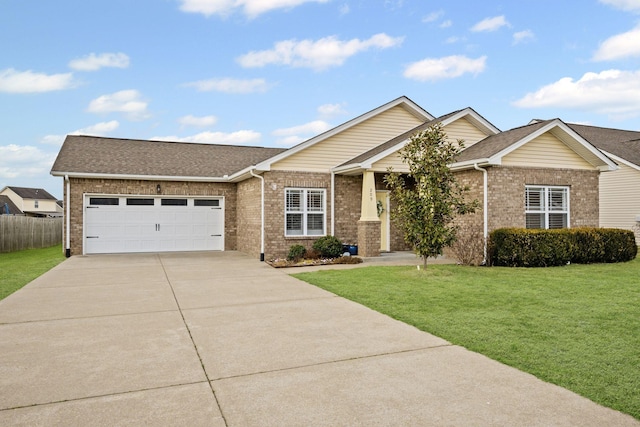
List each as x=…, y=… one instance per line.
x=382, y=200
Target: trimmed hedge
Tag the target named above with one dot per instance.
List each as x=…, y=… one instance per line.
x=328, y=246
x=519, y=247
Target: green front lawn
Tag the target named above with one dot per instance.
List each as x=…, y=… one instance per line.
x=576, y=326
x=19, y=268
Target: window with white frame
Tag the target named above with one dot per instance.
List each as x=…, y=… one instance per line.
x=304, y=212
x=547, y=207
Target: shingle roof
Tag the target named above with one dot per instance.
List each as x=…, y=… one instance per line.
x=32, y=193
x=99, y=155
x=13, y=209
x=622, y=143
x=493, y=144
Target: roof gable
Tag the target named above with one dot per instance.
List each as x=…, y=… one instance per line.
x=367, y=159
x=31, y=193
x=403, y=102
x=493, y=149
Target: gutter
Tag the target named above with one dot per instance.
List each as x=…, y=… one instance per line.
x=251, y=171
x=485, y=189
x=67, y=206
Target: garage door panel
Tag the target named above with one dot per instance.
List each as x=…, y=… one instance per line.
x=129, y=227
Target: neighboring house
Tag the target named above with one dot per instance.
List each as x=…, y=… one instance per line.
x=619, y=190
x=7, y=207
x=143, y=196
x=32, y=201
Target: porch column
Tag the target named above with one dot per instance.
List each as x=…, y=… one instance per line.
x=369, y=223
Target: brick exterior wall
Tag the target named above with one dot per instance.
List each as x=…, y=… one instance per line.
x=276, y=244
x=80, y=186
x=507, y=187
x=348, y=205
x=369, y=238
x=249, y=221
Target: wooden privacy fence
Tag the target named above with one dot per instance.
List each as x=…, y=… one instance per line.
x=25, y=232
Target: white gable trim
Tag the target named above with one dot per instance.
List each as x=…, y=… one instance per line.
x=607, y=163
x=408, y=104
x=621, y=160
x=476, y=119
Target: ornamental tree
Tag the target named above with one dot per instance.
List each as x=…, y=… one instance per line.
x=429, y=197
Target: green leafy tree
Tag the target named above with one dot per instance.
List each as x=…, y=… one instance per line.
x=429, y=197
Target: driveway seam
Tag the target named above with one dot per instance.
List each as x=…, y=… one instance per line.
x=98, y=396
x=195, y=347
x=329, y=362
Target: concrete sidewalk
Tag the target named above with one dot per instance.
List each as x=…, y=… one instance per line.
x=219, y=339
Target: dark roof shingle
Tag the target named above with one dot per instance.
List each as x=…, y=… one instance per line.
x=99, y=155
x=32, y=193
x=622, y=143
x=13, y=209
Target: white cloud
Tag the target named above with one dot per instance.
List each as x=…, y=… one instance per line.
x=99, y=129
x=630, y=5
x=490, y=24
x=13, y=81
x=523, y=36
x=128, y=102
x=93, y=62
x=619, y=46
x=295, y=134
x=612, y=92
x=241, y=137
x=318, y=55
x=331, y=110
x=251, y=8
x=446, y=24
x=228, y=85
x=455, y=39
x=344, y=9
x=433, y=16
x=203, y=121
x=24, y=161
x=444, y=68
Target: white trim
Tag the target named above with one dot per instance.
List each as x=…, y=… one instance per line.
x=621, y=160
x=546, y=211
x=496, y=159
x=261, y=213
x=140, y=177
x=305, y=212
x=411, y=106
x=485, y=208
x=68, y=218
x=467, y=112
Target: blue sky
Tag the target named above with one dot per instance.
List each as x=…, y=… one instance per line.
x=276, y=72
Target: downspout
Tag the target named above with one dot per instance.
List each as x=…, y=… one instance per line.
x=67, y=205
x=261, y=213
x=485, y=189
x=333, y=203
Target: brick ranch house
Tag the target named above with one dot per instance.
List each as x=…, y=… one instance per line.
x=126, y=195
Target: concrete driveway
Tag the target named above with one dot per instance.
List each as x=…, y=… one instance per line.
x=220, y=339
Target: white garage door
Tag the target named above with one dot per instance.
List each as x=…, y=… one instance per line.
x=153, y=224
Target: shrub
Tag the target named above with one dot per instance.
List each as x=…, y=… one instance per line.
x=468, y=248
x=517, y=247
x=328, y=246
x=347, y=260
x=313, y=254
x=296, y=252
